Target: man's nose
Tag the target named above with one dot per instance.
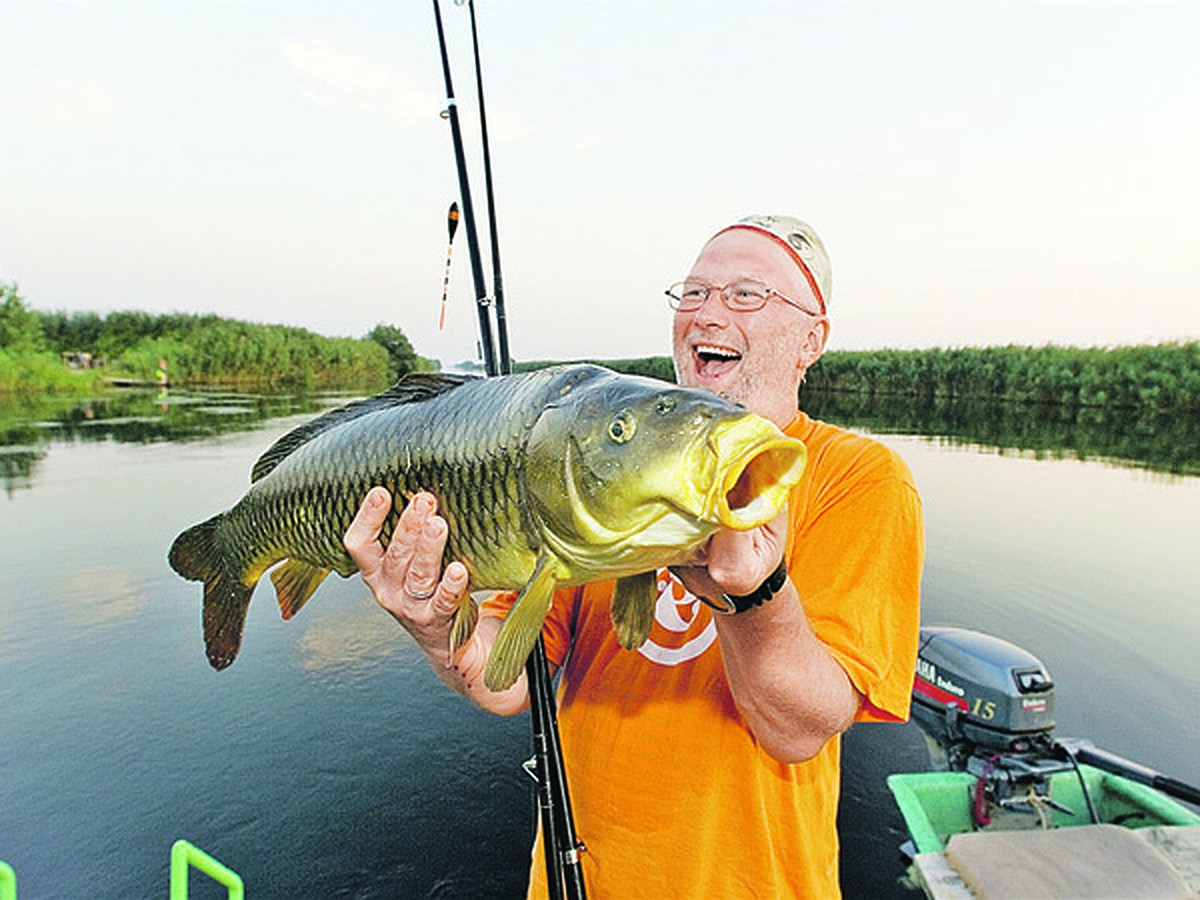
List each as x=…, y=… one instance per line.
x=713, y=309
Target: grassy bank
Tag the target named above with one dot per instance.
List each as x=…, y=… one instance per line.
x=212, y=350
x=29, y=372
x=58, y=352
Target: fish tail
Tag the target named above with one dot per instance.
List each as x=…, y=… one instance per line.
x=225, y=604
x=196, y=556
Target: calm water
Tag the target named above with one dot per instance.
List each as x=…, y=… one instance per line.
x=329, y=762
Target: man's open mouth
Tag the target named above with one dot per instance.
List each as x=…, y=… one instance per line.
x=712, y=359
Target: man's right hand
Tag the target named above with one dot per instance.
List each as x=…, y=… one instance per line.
x=407, y=578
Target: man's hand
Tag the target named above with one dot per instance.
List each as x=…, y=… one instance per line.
x=736, y=562
x=792, y=692
x=407, y=578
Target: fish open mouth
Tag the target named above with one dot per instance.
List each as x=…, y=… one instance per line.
x=759, y=467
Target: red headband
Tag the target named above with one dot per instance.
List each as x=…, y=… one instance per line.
x=812, y=282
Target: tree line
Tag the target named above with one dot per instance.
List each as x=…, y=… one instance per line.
x=1163, y=376
x=38, y=351
x=210, y=349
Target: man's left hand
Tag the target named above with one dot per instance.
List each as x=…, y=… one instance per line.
x=736, y=562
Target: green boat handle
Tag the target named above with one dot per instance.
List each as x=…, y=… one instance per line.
x=185, y=855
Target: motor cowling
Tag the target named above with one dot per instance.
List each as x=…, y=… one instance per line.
x=980, y=691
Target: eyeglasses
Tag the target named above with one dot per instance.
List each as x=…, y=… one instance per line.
x=745, y=295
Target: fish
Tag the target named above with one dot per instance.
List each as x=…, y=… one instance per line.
x=551, y=478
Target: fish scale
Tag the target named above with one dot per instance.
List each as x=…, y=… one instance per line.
x=545, y=479
x=307, y=498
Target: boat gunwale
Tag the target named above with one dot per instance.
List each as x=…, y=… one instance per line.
x=912, y=790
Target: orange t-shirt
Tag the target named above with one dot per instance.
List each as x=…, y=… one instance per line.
x=672, y=795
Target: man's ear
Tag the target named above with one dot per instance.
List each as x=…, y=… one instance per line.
x=813, y=344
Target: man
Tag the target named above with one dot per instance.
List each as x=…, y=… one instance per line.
x=706, y=764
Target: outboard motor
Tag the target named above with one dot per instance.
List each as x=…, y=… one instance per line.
x=974, y=693
x=987, y=707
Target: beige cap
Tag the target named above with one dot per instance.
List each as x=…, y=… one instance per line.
x=802, y=243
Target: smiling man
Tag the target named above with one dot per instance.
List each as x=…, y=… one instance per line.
x=706, y=764
x=748, y=348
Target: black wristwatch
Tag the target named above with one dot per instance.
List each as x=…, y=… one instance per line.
x=764, y=592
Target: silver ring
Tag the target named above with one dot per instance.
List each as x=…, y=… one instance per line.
x=420, y=595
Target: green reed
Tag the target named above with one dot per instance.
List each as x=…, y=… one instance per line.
x=1132, y=405
x=1163, y=376
x=59, y=352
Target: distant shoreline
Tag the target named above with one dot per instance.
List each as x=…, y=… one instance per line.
x=77, y=353
x=1163, y=377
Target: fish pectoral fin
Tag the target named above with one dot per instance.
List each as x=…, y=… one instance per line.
x=295, y=581
x=633, y=602
x=521, y=628
x=466, y=615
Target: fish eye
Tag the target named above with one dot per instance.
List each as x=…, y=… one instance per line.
x=665, y=405
x=621, y=428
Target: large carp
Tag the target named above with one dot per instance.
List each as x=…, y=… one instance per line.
x=551, y=478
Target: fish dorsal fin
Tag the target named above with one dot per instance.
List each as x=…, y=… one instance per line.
x=412, y=388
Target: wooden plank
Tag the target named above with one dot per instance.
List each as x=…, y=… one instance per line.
x=1178, y=843
x=939, y=881
x=1181, y=845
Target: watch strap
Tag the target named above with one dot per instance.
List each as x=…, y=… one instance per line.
x=760, y=595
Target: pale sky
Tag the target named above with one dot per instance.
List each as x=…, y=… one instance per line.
x=982, y=173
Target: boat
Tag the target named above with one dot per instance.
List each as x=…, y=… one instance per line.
x=1008, y=810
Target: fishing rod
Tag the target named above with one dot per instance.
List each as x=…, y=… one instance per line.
x=468, y=209
x=564, y=873
x=494, y=241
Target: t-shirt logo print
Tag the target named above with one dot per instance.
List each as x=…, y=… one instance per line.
x=683, y=626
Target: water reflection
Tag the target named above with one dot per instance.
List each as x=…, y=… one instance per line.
x=17, y=462
x=1156, y=441
x=28, y=427
x=101, y=595
x=351, y=643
